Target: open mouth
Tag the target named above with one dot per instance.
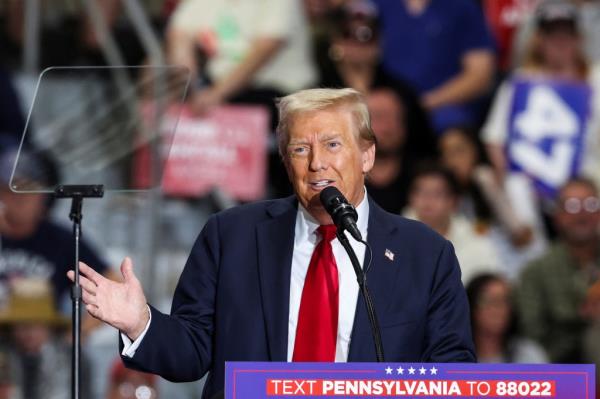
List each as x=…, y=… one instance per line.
x=320, y=184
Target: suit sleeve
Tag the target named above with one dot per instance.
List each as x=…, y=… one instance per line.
x=178, y=347
x=448, y=333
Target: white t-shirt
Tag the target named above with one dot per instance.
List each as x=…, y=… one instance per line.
x=226, y=29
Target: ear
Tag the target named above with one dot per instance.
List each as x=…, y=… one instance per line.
x=368, y=158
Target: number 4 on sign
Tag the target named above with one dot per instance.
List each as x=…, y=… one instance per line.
x=551, y=169
x=546, y=115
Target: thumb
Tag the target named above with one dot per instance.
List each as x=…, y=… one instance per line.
x=127, y=270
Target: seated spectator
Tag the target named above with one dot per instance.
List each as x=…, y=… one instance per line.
x=441, y=48
x=493, y=324
x=33, y=245
x=130, y=384
x=484, y=201
x=39, y=360
x=553, y=287
x=433, y=200
x=402, y=139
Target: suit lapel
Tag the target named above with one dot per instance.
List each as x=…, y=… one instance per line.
x=275, y=248
x=381, y=279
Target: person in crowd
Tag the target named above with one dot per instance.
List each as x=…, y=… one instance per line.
x=484, y=201
x=269, y=281
x=248, y=52
x=591, y=337
x=403, y=138
x=444, y=50
x=433, y=200
x=494, y=324
x=130, y=384
x=39, y=358
x=555, y=53
x=553, y=288
x=8, y=390
x=587, y=13
x=32, y=245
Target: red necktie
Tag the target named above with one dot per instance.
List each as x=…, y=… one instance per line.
x=316, y=332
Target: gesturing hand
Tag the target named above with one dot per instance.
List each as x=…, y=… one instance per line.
x=120, y=304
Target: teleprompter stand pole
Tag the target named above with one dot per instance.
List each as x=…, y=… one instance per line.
x=77, y=193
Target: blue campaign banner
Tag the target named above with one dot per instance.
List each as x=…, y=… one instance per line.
x=547, y=126
x=270, y=380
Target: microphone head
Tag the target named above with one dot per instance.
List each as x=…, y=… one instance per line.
x=330, y=198
x=337, y=205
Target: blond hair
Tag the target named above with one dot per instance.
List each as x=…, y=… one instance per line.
x=311, y=100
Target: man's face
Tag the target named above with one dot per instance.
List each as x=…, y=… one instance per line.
x=21, y=209
x=386, y=120
x=323, y=151
x=432, y=200
x=577, y=216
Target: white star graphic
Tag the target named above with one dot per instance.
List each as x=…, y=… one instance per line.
x=388, y=370
x=411, y=370
x=422, y=370
x=433, y=371
x=400, y=370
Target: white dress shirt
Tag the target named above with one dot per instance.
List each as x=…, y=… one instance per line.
x=305, y=241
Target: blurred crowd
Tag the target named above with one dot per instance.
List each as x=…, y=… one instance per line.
x=487, y=118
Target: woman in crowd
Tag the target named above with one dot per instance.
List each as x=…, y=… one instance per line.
x=493, y=324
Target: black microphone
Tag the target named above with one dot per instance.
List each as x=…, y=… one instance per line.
x=342, y=213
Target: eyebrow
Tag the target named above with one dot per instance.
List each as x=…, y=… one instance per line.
x=325, y=137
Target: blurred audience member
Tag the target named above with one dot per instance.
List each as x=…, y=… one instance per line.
x=31, y=244
x=130, y=384
x=493, y=324
x=444, y=49
x=243, y=51
x=591, y=337
x=587, y=13
x=505, y=18
x=553, y=288
x=485, y=203
x=402, y=139
x=555, y=53
x=8, y=390
x=250, y=51
x=348, y=54
x=39, y=360
x=433, y=200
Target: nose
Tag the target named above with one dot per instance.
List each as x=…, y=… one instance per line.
x=318, y=159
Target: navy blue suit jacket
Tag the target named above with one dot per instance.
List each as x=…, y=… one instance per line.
x=232, y=299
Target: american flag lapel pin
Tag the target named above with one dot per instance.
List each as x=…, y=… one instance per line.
x=389, y=254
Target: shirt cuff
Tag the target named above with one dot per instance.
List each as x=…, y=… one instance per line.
x=129, y=347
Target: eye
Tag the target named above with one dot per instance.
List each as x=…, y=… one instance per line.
x=333, y=144
x=299, y=150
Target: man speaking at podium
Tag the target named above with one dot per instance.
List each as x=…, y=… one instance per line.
x=269, y=281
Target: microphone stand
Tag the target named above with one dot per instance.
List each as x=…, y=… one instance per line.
x=77, y=193
x=364, y=289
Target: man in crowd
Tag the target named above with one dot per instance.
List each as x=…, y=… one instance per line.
x=554, y=287
x=270, y=282
x=450, y=53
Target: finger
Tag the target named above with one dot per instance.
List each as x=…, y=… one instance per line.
x=89, y=299
x=87, y=285
x=127, y=270
x=71, y=275
x=93, y=310
x=90, y=273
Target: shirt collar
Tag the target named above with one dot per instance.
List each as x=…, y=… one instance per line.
x=306, y=224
